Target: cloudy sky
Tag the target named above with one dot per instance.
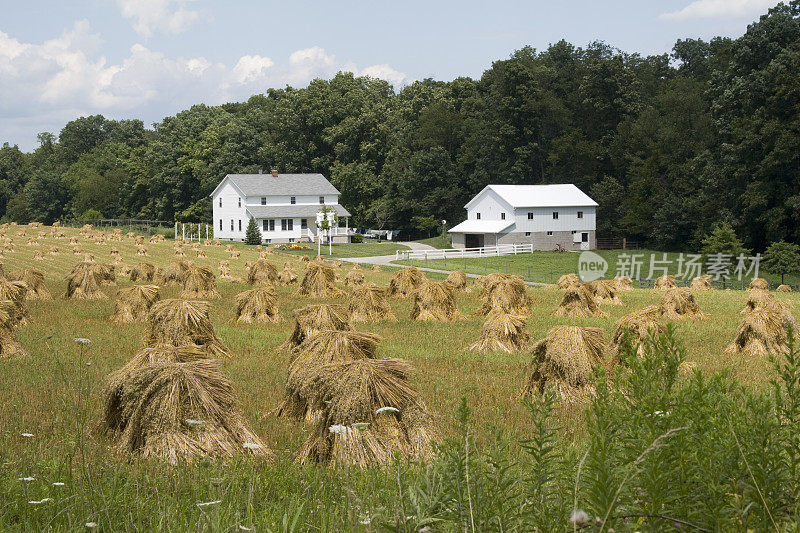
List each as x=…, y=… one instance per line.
x=148, y=59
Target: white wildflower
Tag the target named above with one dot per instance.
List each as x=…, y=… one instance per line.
x=193, y=422
x=80, y=340
x=91, y=525
x=361, y=426
x=339, y=429
x=243, y=528
x=579, y=517
x=29, y=478
x=27, y=435
x=43, y=500
x=58, y=484
x=387, y=410
x=251, y=446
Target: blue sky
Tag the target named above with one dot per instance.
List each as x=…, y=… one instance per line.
x=151, y=58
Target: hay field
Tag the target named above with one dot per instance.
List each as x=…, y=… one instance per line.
x=54, y=394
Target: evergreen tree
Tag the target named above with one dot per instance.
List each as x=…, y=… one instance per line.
x=252, y=235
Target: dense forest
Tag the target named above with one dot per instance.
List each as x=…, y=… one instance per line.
x=669, y=145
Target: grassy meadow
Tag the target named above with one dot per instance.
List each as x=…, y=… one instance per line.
x=55, y=394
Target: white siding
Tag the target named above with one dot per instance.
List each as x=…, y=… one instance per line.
x=490, y=206
x=330, y=199
x=567, y=219
x=230, y=210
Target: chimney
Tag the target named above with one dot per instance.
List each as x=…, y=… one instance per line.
x=259, y=171
x=274, y=173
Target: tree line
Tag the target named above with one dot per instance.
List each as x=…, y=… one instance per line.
x=669, y=145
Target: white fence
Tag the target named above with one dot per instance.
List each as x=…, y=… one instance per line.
x=458, y=253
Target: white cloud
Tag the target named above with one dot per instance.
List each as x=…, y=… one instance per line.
x=707, y=9
x=44, y=85
x=158, y=16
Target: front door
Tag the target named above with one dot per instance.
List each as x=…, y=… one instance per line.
x=584, y=241
x=473, y=240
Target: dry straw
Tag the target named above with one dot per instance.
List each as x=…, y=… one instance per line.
x=143, y=272
x=355, y=277
x=34, y=279
x=319, y=281
x=435, y=301
x=637, y=326
x=568, y=280
x=458, y=280
x=133, y=303
x=759, y=284
x=604, y=291
x=312, y=319
x=758, y=298
x=679, y=303
x=505, y=293
x=578, y=301
x=762, y=332
x=405, y=281
x=83, y=282
x=783, y=288
x=501, y=333
x=257, y=305
x=288, y=275
x=175, y=273
x=368, y=303
x=181, y=412
x=262, y=272
x=665, y=282
x=9, y=347
x=200, y=284
x=564, y=362
x=624, y=283
x=702, y=283
x=181, y=322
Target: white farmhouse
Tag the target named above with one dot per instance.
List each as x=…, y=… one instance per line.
x=285, y=207
x=547, y=216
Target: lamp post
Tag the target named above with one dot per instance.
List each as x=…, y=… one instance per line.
x=331, y=216
x=320, y=219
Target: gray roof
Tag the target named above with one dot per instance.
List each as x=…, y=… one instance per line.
x=284, y=185
x=293, y=211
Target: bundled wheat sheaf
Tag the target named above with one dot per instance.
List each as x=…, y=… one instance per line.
x=501, y=332
x=458, y=280
x=564, y=362
x=604, y=291
x=319, y=281
x=624, y=283
x=763, y=331
x=405, y=281
x=679, y=303
x=355, y=278
x=14, y=292
x=9, y=319
x=312, y=319
x=84, y=280
x=175, y=273
x=665, y=282
x=759, y=298
x=370, y=412
x=177, y=411
x=262, y=272
x=143, y=272
x=257, y=305
x=503, y=292
x=34, y=279
x=288, y=275
x=578, y=301
x=133, y=303
x=637, y=326
x=377, y=268
x=368, y=303
x=322, y=348
x=702, y=283
x=758, y=284
x=435, y=301
x=783, y=288
x=568, y=280
x=181, y=322
x=200, y=284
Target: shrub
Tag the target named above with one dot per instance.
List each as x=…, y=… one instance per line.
x=357, y=238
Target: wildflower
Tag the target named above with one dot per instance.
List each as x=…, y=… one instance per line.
x=387, y=410
x=193, y=422
x=91, y=525
x=29, y=478
x=206, y=504
x=58, y=484
x=243, y=528
x=579, y=517
x=251, y=446
x=361, y=426
x=27, y=435
x=43, y=500
x=80, y=340
x=339, y=429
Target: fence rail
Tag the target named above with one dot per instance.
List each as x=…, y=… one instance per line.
x=458, y=253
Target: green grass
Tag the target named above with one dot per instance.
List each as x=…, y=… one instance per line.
x=547, y=267
x=369, y=248
x=437, y=242
x=55, y=394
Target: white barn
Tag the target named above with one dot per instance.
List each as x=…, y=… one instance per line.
x=543, y=215
x=285, y=207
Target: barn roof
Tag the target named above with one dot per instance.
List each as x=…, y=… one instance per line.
x=556, y=195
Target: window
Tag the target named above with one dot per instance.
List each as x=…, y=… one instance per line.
x=322, y=199
x=580, y=214
x=303, y=223
x=283, y=224
x=220, y=201
x=240, y=201
x=527, y=233
x=291, y=239
x=263, y=200
x=231, y=224
x=502, y=216
x=267, y=241
x=555, y=215
x=293, y=200
x=530, y=216
x=270, y=224
x=240, y=224
x=291, y=224
x=478, y=216
x=220, y=224
x=287, y=224
x=549, y=233
x=584, y=237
